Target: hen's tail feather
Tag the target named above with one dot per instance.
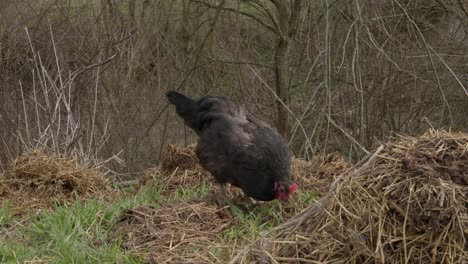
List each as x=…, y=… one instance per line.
x=176, y=98
x=186, y=108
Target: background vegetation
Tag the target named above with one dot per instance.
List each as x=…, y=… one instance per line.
x=89, y=76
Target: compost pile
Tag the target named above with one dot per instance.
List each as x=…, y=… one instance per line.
x=188, y=231
x=406, y=204
x=179, y=168
x=176, y=231
x=184, y=232
x=318, y=173
x=181, y=158
x=39, y=179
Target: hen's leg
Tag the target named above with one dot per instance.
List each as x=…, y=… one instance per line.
x=221, y=190
x=222, y=198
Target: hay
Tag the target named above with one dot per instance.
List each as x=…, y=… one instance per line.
x=318, y=173
x=180, y=158
x=179, y=168
x=406, y=204
x=182, y=232
x=38, y=180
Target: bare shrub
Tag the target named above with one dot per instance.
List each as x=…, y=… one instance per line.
x=358, y=72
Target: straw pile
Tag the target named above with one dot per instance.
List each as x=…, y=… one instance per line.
x=318, y=173
x=179, y=168
x=180, y=158
x=38, y=179
x=175, y=233
x=188, y=232
x=406, y=204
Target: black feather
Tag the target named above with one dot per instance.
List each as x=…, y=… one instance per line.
x=235, y=147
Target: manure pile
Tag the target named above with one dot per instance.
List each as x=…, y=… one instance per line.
x=407, y=203
x=37, y=180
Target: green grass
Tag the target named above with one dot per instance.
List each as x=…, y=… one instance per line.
x=5, y=214
x=74, y=234
x=82, y=232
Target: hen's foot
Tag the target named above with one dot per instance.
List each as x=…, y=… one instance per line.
x=220, y=198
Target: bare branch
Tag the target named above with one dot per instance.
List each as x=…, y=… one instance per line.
x=267, y=12
x=295, y=11
x=283, y=17
x=249, y=15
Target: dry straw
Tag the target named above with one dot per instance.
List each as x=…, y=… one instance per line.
x=406, y=203
x=175, y=232
x=182, y=232
x=188, y=231
x=180, y=168
x=318, y=173
x=39, y=179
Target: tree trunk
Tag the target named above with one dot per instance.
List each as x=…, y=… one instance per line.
x=131, y=12
x=282, y=86
x=288, y=15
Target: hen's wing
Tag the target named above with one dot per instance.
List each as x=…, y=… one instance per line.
x=223, y=145
x=215, y=107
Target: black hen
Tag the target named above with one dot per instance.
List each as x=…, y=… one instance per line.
x=236, y=148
